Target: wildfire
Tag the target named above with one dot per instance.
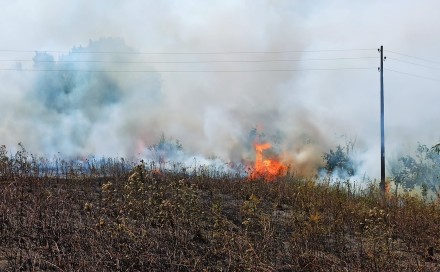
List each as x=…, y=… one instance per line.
x=268, y=169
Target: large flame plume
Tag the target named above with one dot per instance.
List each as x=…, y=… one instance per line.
x=268, y=169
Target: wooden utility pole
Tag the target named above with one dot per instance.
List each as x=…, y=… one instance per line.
x=382, y=126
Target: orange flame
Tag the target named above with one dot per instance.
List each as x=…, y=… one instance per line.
x=268, y=169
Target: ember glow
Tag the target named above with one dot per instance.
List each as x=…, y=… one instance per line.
x=268, y=169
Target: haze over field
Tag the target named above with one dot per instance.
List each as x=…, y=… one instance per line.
x=308, y=88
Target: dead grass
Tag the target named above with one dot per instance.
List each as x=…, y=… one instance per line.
x=155, y=221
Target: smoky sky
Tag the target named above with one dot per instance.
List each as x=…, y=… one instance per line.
x=308, y=106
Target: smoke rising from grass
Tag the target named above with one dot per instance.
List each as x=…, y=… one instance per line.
x=76, y=112
x=302, y=113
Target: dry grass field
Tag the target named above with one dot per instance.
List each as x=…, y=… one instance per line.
x=143, y=220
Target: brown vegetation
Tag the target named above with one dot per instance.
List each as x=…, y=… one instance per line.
x=158, y=221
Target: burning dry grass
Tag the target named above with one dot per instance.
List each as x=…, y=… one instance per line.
x=151, y=221
x=267, y=169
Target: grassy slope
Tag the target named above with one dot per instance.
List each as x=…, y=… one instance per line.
x=166, y=222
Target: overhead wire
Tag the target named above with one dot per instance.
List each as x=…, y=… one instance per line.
x=413, y=63
x=183, y=53
x=178, y=62
x=400, y=59
x=187, y=71
x=413, y=57
x=284, y=60
x=214, y=61
x=412, y=75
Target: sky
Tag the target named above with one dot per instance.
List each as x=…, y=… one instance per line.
x=304, y=73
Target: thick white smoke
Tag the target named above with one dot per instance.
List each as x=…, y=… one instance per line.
x=305, y=112
x=66, y=108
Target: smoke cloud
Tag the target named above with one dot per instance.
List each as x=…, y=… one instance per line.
x=71, y=110
x=303, y=111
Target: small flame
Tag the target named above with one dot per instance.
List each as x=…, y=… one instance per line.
x=268, y=169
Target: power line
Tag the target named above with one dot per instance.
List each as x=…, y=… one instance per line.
x=413, y=75
x=184, y=53
x=204, y=61
x=187, y=71
x=177, y=62
x=414, y=57
x=413, y=63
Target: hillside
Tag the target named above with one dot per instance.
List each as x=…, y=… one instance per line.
x=159, y=221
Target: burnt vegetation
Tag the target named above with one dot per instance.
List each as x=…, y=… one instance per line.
x=113, y=215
